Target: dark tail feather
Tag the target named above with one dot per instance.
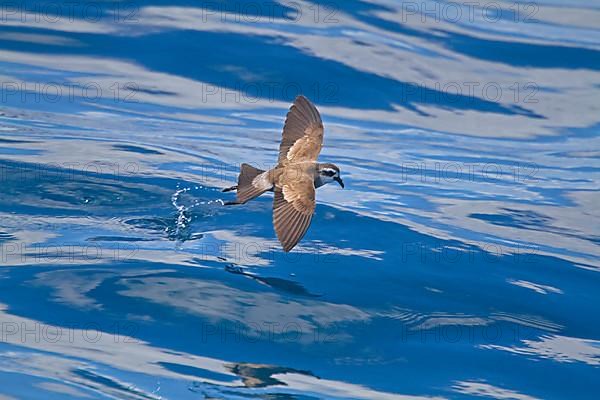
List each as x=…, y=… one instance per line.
x=245, y=190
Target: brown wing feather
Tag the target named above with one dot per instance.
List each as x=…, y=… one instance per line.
x=302, y=137
x=293, y=207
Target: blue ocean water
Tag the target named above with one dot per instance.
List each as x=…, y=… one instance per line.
x=460, y=261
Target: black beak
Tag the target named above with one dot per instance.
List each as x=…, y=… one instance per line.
x=339, y=180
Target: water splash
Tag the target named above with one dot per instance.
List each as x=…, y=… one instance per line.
x=181, y=232
x=183, y=216
x=156, y=390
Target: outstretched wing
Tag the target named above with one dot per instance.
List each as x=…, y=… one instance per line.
x=302, y=133
x=293, y=207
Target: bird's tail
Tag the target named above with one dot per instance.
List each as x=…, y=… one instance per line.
x=246, y=190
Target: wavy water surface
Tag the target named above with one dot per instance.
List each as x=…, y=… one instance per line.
x=461, y=260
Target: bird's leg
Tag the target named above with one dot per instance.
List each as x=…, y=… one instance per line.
x=229, y=189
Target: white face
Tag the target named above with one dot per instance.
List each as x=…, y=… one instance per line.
x=328, y=175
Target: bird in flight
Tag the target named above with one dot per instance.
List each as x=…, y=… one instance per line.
x=295, y=177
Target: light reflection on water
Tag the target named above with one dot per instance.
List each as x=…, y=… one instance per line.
x=460, y=261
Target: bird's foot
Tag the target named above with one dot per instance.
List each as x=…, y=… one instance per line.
x=229, y=189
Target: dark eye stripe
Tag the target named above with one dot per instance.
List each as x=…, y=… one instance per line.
x=328, y=172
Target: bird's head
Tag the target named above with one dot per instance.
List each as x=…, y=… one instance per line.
x=328, y=172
